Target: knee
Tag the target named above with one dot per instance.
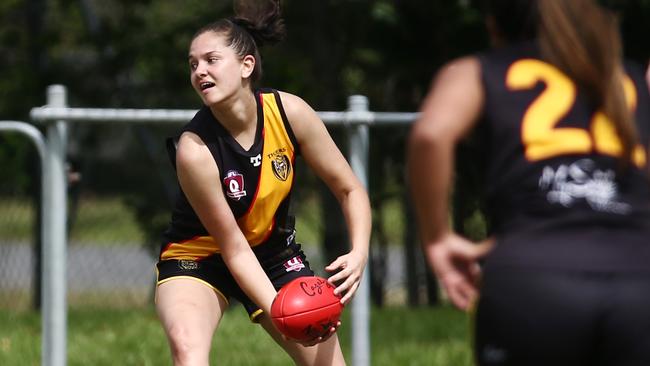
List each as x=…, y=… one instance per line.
x=188, y=346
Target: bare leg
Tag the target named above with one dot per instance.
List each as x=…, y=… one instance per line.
x=327, y=353
x=190, y=312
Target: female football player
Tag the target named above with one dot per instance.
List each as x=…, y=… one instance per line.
x=565, y=126
x=231, y=235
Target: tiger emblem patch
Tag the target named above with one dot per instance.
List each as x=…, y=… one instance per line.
x=281, y=166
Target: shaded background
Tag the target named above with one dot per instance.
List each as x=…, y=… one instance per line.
x=132, y=54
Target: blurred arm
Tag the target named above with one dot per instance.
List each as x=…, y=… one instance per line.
x=449, y=111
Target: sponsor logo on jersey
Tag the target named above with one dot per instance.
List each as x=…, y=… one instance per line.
x=280, y=164
x=234, y=183
x=579, y=181
x=294, y=264
x=256, y=160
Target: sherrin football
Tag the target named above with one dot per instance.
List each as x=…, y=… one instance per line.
x=306, y=308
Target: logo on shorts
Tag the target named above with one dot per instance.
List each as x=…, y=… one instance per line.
x=234, y=183
x=294, y=264
x=188, y=264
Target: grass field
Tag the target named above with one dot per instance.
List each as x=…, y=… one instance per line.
x=99, y=221
x=399, y=336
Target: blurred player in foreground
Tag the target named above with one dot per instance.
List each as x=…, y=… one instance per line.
x=565, y=124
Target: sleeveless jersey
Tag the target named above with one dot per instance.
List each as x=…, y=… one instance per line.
x=257, y=182
x=556, y=191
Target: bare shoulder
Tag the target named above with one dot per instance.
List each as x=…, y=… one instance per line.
x=301, y=116
x=455, y=100
x=294, y=106
x=191, y=150
x=466, y=70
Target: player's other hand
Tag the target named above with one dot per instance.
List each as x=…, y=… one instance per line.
x=454, y=260
x=348, y=268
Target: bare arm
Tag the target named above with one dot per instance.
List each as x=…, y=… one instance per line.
x=197, y=174
x=325, y=159
x=449, y=111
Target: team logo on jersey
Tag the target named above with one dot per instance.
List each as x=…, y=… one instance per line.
x=256, y=160
x=234, y=183
x=281, y=167
x=294, y=264
x=280, y=164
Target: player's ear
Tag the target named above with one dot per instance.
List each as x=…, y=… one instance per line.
x=247, y=66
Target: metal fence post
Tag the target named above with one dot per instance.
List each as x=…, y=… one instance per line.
x=358, y=147
x=54, y=246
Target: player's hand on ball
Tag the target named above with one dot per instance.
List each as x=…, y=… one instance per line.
x=306, y=310
x=348, y=268
x=317, y=340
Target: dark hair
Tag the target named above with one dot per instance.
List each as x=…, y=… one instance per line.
x=582, y=39
x=516, y=19
x=255, y=24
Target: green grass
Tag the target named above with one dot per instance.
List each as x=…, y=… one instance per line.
x=399, y=336
x=17, y=219
x=99, y=221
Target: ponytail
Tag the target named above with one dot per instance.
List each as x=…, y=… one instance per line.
x=256, y=23
x=261, y=19
x=582, y=39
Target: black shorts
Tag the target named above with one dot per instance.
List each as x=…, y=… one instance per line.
x=281, y=262
x=537, y=317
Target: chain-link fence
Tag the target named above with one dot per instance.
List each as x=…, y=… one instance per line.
x=119, y=197
x=18, y=248
x=19, y=221
x=120, y=191
x=121, y=188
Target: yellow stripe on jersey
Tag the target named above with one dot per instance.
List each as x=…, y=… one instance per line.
x=195, y=248
x=276, y=175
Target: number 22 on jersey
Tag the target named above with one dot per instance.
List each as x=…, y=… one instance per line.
x=541, y=137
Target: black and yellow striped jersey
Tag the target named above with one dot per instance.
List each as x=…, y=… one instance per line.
x=556, y=192
x=257, y=182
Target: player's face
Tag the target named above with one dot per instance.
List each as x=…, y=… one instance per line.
x=216, y=71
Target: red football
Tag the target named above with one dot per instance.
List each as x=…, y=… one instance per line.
x=306, y=308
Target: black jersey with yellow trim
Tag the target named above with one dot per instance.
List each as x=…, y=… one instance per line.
x=554, y=183
x=257, y=182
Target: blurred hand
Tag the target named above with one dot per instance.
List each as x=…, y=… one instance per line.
x=454, y=260
x=348, y=268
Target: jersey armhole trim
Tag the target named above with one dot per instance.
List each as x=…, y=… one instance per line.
x=285, y=120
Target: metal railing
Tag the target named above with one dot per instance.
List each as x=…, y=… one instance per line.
x=56, y=115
